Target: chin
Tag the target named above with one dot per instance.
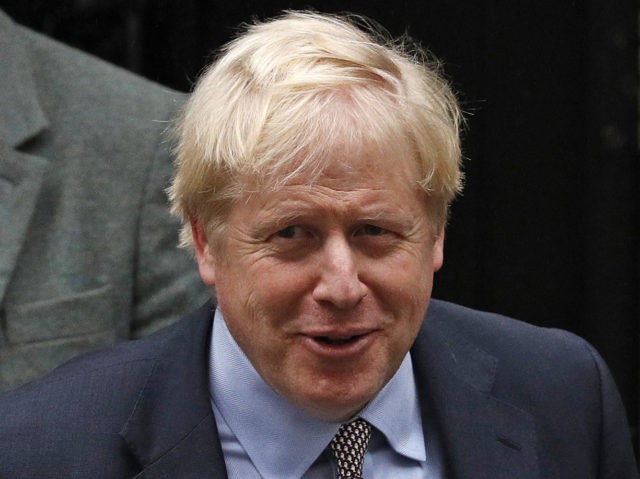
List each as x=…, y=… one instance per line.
x=338, y=407
x=334, y=412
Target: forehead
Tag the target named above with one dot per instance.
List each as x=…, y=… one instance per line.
x=351, y=181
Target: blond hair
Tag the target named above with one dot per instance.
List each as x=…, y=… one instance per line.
x=282, y=95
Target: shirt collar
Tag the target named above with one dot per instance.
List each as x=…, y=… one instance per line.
x=295, y=440
x=395, y=412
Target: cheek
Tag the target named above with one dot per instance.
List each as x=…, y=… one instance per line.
x=406, y=276
x=263, y=293
x=280, y=284
x=403, y=290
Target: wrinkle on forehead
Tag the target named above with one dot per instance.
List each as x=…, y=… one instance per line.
x=343, y=202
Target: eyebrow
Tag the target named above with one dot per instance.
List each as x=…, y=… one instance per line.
x=273, y=219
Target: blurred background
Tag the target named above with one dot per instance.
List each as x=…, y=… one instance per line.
x=548, y=227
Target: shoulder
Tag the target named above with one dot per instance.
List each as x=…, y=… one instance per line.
x=84, y=404
x=125, y=362
x=112, y=375
x=76, y=411
x=94, y=83
x=532, y=365
x=553, y=377
x=500, y=335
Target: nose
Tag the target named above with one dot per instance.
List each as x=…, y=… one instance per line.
x=339, y=283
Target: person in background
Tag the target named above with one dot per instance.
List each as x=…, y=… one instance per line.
x=316, y=163
x=87, y=245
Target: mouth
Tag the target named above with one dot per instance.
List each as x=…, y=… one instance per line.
x=333, y=341
x=340, y=346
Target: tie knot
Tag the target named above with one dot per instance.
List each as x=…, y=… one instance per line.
x=349, y=445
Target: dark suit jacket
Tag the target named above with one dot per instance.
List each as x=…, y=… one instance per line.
x=87, y=246
x=508, y=400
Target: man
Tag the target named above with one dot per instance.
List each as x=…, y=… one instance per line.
x=316, y=165
x=87, y=248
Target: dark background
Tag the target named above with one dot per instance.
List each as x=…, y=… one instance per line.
x=548, y=227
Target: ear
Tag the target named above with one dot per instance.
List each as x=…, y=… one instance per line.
x=204, y=255
x=438, y=250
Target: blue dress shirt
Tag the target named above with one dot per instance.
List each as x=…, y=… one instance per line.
x=264, y=436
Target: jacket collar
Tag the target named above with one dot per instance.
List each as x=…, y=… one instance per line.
x=18, y=95
x=482, y=437
x=172, y=430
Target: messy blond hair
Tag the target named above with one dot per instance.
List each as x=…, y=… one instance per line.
x=283, y=94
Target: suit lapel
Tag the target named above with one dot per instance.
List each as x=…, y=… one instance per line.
x=172, y=430
x=481, y=436
x=21, y=174
x=18, y=94
x=193, y=457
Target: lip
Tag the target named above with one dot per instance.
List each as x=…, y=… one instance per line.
x=339, y=345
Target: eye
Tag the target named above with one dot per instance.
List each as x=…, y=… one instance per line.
x=372, y=230
x=290, y=232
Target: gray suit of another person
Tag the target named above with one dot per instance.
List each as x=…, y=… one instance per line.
x=87, y=247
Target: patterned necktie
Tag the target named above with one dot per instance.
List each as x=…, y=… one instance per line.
x=349, y=445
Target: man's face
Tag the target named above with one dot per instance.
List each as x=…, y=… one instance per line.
x=324, y=285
